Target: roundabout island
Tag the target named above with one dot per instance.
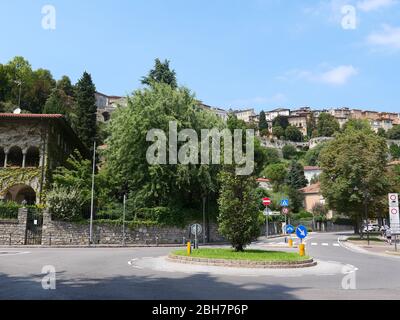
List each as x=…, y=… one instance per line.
x=225, y=257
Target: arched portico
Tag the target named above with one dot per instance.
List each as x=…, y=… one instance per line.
x=21, y=192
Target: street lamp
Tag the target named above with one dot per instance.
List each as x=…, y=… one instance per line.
x=19, y=83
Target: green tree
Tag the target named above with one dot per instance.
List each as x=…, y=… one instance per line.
x=354, y=170
x=263, y=124
x=154, y=186
x=161, y=74
x=239, y=215
x=86, y=109
x=272, y=156
x=327, y=125
x=277, y=174
x=57, y=103
x=381, y=132
x=66, y=86
x=395, y=151
x=293, y=133
x=289, y=151
x=311, y=158
x=295, y=177
x=311, y=126
x=394, y=133
x=281, y=121
x=278, y=132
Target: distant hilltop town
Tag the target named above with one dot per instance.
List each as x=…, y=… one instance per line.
x=298, y=117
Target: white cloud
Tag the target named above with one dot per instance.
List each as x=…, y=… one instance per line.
x=371, y=5
x=388, y=37
x=337, y=76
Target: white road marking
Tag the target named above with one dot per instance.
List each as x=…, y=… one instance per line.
x=314, y=244
x=325, y=244
x=336, y=245
x=131, y=263
x=12, y=253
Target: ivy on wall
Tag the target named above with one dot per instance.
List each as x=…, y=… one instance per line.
x=13, y=176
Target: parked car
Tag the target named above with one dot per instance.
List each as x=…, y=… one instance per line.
x=371, y=228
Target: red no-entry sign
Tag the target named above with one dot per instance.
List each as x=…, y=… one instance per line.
x=266, y=201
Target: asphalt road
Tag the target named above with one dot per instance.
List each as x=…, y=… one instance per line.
x=137, y=273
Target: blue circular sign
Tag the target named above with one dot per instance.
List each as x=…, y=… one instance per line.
x=290, y=229
x=301, y=232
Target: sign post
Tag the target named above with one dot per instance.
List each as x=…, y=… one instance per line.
x=196, y=230
x=267, y=211
x=285, y=210
x=394, y=216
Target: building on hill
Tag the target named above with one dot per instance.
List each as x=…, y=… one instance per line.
x=311, y=172
x=221, y=113
x=312, y=197
x=31, y=147
x=299, y=121
x=106, y=105
x=246, y=115
x=271, y=115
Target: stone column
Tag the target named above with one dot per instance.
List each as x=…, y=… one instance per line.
x=46, y=228
x=22, y=224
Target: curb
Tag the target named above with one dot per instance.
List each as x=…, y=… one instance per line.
x=243, y=263
x=355, y=248
x=105, y=246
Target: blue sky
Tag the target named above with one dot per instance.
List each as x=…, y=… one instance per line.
x=231, y=53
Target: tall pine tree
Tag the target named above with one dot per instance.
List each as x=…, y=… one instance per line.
x=85, y=125
x=263, y=124
x=161, y=74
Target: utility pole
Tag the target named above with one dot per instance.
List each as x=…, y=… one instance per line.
x=92, y=198
x=123, y=222
x=204, y=220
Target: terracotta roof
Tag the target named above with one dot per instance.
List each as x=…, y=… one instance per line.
x=263, y=180
x=314, y=188
x=309, y=168
x=31, y=116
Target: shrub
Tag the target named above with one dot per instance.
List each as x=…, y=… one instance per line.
x=8, y=210
x=289, y=151
x=65, y=203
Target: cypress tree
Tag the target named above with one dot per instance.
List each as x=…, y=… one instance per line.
x=86, y=110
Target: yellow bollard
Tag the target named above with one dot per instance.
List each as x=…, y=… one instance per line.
x=290, y=243
x=302, y=249
x=189, y=248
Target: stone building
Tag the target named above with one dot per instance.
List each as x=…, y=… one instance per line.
x=106, y=105
x=31, y=147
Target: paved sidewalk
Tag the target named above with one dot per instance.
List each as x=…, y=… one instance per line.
x=376, y=248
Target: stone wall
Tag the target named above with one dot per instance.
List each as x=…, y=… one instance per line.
x=12, y=232
x=66, y=233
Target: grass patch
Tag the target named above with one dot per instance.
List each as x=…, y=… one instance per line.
x=253, y=255
x=365, y=239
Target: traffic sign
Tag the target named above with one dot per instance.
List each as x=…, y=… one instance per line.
x=196, y=229
x=290, y=229
x=393, y=200
x=301, y=232
x=267, y=212
x=394, y=213
x=285, y=203
x=285, y=210
x=266, y=201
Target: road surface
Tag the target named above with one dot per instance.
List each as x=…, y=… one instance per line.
x=140, y=273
